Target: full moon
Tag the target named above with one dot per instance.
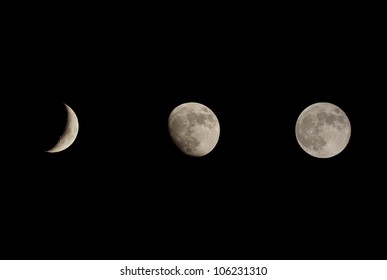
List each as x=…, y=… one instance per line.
x=69, y=134
x=323, y=130
x=194, y=128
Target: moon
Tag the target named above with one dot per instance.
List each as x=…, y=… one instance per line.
x=194, y=128
x=323, y=130
x=69, y=134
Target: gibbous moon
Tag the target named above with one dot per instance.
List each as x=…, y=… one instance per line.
x=194, y=128
x=323, y=130
x=69, y=134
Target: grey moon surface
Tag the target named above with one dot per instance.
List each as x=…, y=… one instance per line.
x=69, y=134
x=194, y=128
x=323, y=130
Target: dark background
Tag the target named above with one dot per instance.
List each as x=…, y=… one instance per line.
x=124, y=191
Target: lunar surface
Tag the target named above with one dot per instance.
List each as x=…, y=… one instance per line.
x=69, y=134
x=194, y=128
x=323, y=130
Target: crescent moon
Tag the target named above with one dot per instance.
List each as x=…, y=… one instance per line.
x=69, y=134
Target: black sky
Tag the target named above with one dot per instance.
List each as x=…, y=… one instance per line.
x=124, y=191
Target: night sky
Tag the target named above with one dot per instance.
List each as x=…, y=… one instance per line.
x=124, y=191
